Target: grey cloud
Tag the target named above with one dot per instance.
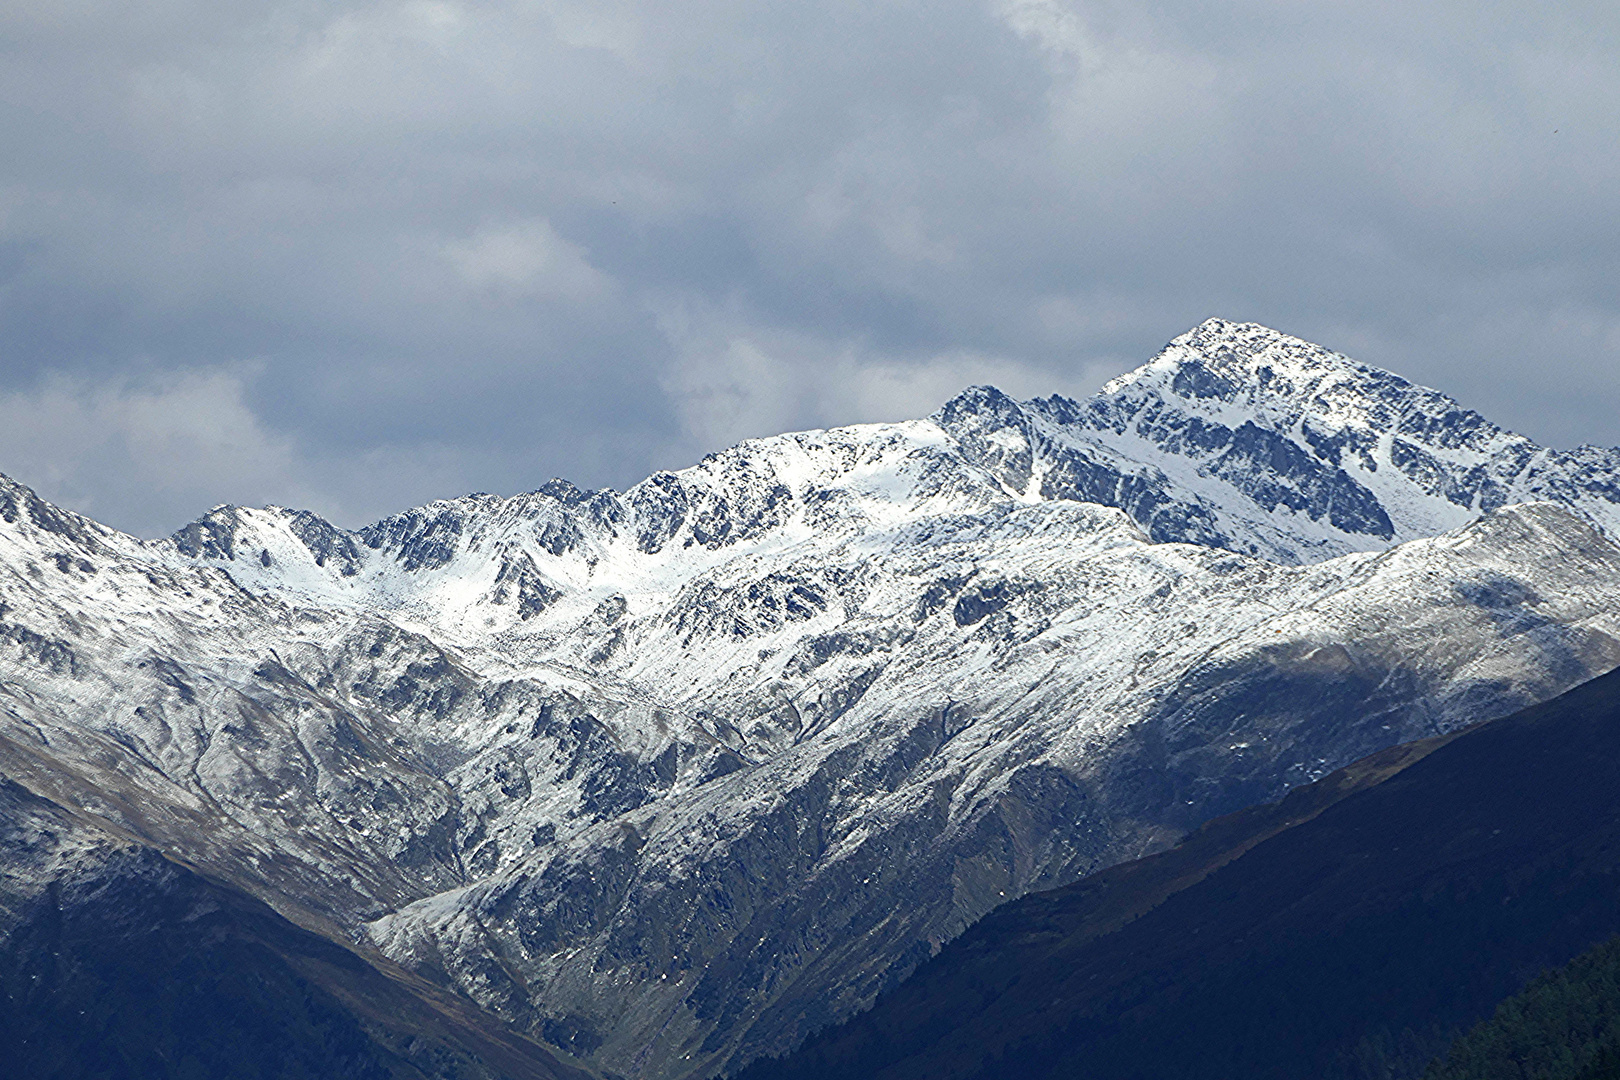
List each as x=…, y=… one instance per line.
x=414, y=247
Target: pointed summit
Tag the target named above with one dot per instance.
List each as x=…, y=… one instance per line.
x=25, y=512
x=1254, y=366
x=1240, y=436
x=1287, y=382
x=984, y=402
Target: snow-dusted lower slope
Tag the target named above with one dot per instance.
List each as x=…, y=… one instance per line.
x=670, y=776
x=1006, y=702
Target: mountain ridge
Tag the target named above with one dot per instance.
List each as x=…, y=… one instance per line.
x=1339, y=409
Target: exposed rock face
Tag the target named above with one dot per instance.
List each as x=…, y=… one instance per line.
x=670, y=777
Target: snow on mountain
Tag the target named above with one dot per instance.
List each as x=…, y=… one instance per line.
x=1237, y=436
x=1005, y=701
x=671, y=776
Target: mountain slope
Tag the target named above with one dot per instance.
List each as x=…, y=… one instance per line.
x=1302, y=940
x=671, y=777
x=1138, y=691
x=127, y=965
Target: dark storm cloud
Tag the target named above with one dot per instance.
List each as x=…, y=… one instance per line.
x=355, y=256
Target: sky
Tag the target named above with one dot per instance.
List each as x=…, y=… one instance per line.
x=357, y=256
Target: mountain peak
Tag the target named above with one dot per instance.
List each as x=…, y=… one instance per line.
x=978, y=400
x=1250, y=363
x=22, y=509
x=1240, y=436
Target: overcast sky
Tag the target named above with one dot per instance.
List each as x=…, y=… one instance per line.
x=357, y=256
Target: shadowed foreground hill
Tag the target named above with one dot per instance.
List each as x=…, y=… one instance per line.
x=1351, y=930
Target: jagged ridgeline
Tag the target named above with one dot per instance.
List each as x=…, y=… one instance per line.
x=668, y=778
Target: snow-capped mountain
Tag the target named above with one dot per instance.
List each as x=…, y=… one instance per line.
x=1239, y=437
x=670, y=777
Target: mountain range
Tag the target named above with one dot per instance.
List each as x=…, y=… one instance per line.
x=657, y=782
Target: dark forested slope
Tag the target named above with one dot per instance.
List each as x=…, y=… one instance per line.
x=1564, y=1026
x=1349, y=931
